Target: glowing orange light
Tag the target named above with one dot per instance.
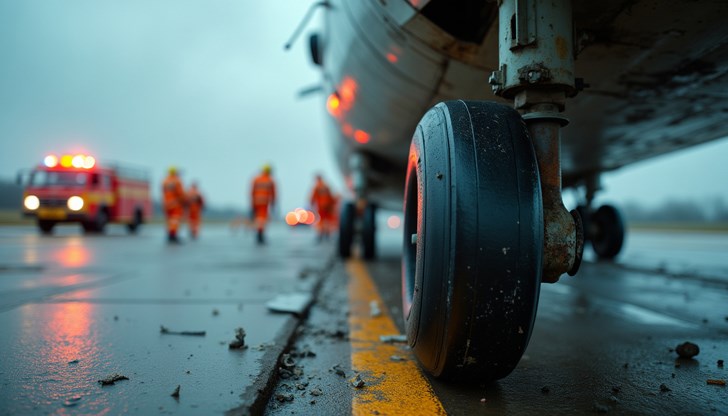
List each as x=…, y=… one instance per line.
x=301, y=215
x=66, y=161
x=310, y=218
x=394, y=222
x=361, y=136
x=291, y=218
x=50, y=161
x=347, y=93
x=333, y=103
x=392, y=58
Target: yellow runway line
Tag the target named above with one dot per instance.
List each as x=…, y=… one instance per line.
x=392, y=387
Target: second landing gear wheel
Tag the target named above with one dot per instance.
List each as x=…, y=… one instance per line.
x=369, y=228
x=473, y=224
x=346, y=229
x=608, y=232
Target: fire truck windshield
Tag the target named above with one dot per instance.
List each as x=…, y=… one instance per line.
x=53, y=178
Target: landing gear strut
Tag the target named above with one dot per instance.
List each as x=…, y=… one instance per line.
x=358, y=219
x=484, y=223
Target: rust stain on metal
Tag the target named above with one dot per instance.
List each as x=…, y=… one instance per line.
x=562, y=47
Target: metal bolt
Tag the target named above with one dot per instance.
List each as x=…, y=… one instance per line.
x=439, y=175
x=413, y=239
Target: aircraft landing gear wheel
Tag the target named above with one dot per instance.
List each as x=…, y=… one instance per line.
x=473, y=243
x=608, y=234
x=369, y=228
x=346, y=229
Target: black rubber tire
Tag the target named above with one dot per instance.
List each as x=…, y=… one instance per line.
x=369, y=232
x=134, y=225
x=585, y=214
x=608, y=234
x=346, y=229
x=98, y=223
x=471, y=281
x=46, y=227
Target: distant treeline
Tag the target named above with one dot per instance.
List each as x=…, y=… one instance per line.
x=678, y=210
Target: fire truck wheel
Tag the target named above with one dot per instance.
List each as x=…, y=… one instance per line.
x=133, y=226
x=98, y=224
x=474, y=233
x=46, y=227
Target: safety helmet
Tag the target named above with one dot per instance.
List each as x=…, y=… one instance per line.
x=266, y=168
x=172, y=170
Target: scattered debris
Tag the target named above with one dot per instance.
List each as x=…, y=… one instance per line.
x=626, y=365
x=239, y=342
x=316, y=392
x=687, y=350
x=664, y=388
x=175, y=393
x=357, y=382
x=215, y=312
x=110, y=380
x=397, y=358
x=673, y=375
x=716, y=382
x=165, y=330
x=616, y=389
x=613, y=399
x=72, y=401
x=338, y=370
x=284, y=397
x=483, y=400
x=705, y=320
x=374, y=310
x=391, y=339
x=73, y=361
x=545, y=389
x=295, y=303
x=720, y=363
x=302, y=385
x=601, y=408
x=116, y=317
x=287, y=362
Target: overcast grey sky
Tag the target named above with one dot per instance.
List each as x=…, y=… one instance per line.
x=206, y=86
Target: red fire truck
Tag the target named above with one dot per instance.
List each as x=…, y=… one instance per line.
x=74, y=188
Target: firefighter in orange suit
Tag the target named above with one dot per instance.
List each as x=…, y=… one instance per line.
x=195, y=205
x=263, y=198
x=174, y=203
x=323, y=202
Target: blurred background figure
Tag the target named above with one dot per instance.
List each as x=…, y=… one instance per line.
x=195, y=205
x=174, y=203
x=263, y=199
x=323, y=202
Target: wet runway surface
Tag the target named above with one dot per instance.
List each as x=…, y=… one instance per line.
x=75, y=309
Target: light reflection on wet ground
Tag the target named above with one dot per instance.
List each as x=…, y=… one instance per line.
x=75, y=309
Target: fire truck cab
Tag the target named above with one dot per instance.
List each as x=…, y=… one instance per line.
x=74, y=188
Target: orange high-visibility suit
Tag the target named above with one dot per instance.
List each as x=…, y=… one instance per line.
x=324, y=203
x=195, y=205
x=262, y=196
x=174, y=202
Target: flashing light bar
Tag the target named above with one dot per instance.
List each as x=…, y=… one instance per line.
x=70, y=161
